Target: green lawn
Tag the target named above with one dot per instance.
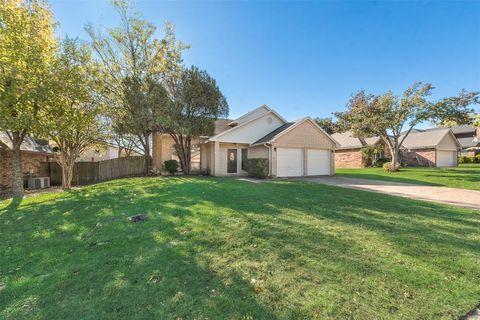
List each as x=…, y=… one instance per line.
x=228, y=249
x=465, y=177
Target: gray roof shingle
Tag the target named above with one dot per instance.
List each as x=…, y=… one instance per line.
x=274, y=133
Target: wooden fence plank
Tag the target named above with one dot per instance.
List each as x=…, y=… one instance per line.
x=92, y=172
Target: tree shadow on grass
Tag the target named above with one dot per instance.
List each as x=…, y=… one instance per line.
x=209, y=243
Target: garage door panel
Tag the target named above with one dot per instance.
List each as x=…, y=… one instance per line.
x=318, y=162
x=289, y=162
x=446, y=158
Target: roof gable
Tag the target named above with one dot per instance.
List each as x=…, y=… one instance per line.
x=255, y=113
x=276, y=134
x=427, y=139
x=252, y=130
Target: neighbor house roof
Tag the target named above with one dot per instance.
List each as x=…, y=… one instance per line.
x=463, y=129
x=348, y=141
x=468, y=142
x=28, y=144
x=426, y=139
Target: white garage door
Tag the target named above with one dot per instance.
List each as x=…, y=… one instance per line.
x=446, y=158
x=289, y=162
x=318, y=162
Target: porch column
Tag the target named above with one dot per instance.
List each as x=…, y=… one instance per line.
x=216, y=158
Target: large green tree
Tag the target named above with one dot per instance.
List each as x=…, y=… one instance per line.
x=393, y=117
x=195, y=103
x=27, y=47
x=329, y=125
x=136, y=66
x=72, y=118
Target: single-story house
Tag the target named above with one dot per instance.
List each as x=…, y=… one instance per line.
x=294, y=149
x=34, y=153
x=349, y=152
x=432, y=148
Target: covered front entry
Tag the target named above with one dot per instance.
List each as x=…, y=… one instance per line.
x=289, y=162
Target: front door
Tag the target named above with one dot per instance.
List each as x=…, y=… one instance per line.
x=232, y=160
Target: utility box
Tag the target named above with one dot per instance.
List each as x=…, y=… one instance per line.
x=39, y=183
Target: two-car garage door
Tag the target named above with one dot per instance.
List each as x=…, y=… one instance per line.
x=290, y=162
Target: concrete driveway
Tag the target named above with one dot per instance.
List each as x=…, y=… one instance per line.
x=457, y=197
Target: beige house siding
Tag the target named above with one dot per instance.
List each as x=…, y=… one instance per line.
x=448, y=144
x=251, y=131
x=258, y=152
x=305, y=136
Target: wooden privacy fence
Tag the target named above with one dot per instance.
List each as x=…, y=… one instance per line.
x=92, y=172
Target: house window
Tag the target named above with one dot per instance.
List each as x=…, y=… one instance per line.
x=244, y=158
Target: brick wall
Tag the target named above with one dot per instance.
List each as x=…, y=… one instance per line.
x=30, y=161
x=348, y=158
x=419, y=158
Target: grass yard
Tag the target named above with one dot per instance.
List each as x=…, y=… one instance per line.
x=464, y=177
x=227, y=249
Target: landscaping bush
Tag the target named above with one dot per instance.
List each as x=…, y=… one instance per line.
x=467, y=159
x=171, y=166
x=257, y=167
x=391, y=168
x=380, y=162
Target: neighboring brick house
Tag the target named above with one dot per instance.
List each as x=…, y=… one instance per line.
x=436, y=147
x=349, y=153
x=430, y=148
x=33, y=154
x=469, y=138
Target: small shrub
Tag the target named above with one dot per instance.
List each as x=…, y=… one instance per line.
x=257, y=167
x=171, y=166
x=391, y=168
x=380, y=162
x=462, y=159
x=477, y=158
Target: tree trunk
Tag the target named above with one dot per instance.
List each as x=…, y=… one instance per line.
x=148, y=163
x=17, y=185
x=67, y=173
x=184, y=152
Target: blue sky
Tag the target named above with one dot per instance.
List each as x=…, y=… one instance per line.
x=307, y=58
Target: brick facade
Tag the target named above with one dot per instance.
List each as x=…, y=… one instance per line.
x=348, y=158
x=30, y=162
x=419, y=157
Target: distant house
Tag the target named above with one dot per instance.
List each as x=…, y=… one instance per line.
x=104, y=151
x=349, y=152
x=469, y=138
x=427, y=148
x=34, y=154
